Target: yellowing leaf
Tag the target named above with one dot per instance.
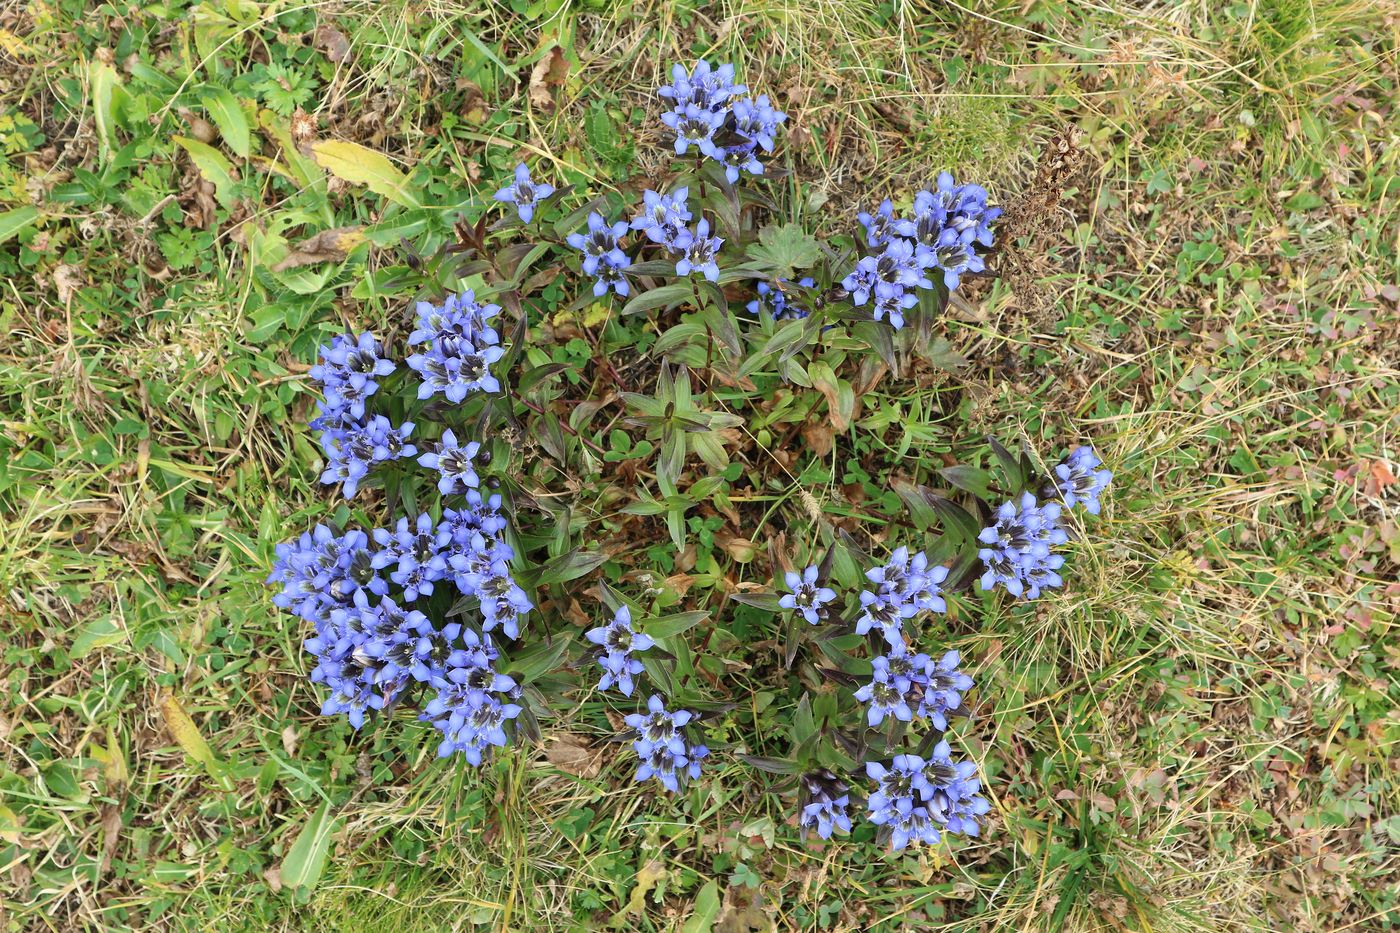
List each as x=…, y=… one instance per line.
x=361, y=166
x=186, y=733
x=9, y=825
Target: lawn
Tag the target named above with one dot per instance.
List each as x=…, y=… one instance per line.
x=1197, y=273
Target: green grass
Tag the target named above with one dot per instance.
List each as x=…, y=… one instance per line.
x=1198, y=734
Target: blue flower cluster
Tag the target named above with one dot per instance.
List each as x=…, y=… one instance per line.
x=775, y=301
x=822, y=804
x=663, y=220
x=524, y=193
x=1080, y=481
x=1017, y=552
x=461, y=347
x=661, y=746
x=369, y=647
x=618, y=641
x=906, y=685
x=353, y=441
x=943, y=232
x=808, y=596
x=917, y=800
x=904, y=587
x=368, y=651
x=709, y=114
x=358, y=589
x=603, y=257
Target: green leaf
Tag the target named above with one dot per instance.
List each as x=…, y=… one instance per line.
x=363, y=166
x=706, y=910
x=956, y=519
x=305, y=861
x=970, y=478
x=12, y=222
x=666, y=296
x=785, y=249
x=228, y=117
x=103, y=80
x=768, y=602
x=539, y=660
x=213, y=165
x=570, y=566
x=674, y=624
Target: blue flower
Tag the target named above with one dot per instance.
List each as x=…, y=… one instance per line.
x=523, y=193
x=662, y=763
x=892, y=301
x=658, y=727
x=353, y=448
x=472, y=721
x=776, y=303
x=806, y=597
x=915, y=799
x=952, y=794
x=1079, y=479
x=823, y=802
x=693, y=126
x=347, y=372
x=1018, y=547
x=454, y=462
x=913, y=825
x=320, y=571
x=1025, y=530
x=880, y=227
x=600, y=243
x=663, y=216
x=503, y=602
x=618, y=641
x=700, y=251
x=702, y=87
x=900, y=264
x=1044, y=573
x=885, y=695
x=462, y=348
x=610, y=275
x=735, y=158
x=661, y=748
x=414, y=549
x=757, y=120
x=861, y=282
x=899, y=787
x=942, y=687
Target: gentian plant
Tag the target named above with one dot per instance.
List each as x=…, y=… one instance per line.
x=456, y=600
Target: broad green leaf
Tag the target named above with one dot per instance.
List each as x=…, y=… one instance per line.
x=363, y=166
x=785, y=249
x=669, y=625
x=666, y=296
x=570, y=566
x=12, y=222
x=228, y=117
x=705, y=911
x=103, y=80
x=539, y=660
x=305, y=861
x=213, y=165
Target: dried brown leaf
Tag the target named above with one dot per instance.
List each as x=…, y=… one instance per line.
x=333, y=42
x=573, y=755
x=326, y=246
x=549, y=72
